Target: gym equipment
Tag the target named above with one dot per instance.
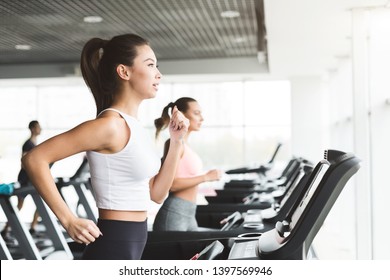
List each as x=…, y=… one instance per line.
x=262, y=169
x=259, y=193
x=240, y=188
x=211, y=252
x=278, y=210
x=256, y=200
x=27, y=246
x=178, y=244
x=292, y=237
x=57, y=246
x=4, y=252
x=289, y=238
x=81, y=183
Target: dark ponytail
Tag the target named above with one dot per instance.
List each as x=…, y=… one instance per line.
x=90, y=58
x=99, y=60
x=163, y=122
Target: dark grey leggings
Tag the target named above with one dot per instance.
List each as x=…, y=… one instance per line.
x=121, y=240
x=176, y=214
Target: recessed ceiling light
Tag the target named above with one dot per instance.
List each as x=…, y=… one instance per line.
x=93, y=19
x=23, y=47
x=239, y=40
x=230, y=14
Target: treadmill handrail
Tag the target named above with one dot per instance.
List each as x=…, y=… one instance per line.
x=294, y=243
x=262, y=169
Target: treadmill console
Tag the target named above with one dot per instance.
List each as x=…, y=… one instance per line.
x=271, y=240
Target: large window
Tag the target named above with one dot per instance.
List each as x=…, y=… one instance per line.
x=244, y=120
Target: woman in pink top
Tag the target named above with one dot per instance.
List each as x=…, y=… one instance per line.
x=178, y=211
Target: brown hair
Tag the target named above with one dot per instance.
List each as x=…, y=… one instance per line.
x=181, y=104
x=99, y=59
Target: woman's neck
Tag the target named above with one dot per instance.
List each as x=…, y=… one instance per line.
x=127, y=105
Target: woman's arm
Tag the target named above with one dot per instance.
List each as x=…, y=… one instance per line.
x=162, y=182
x=186, y=183
x=91, y=135
x=179, y=184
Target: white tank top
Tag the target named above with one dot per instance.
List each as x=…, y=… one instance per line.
x=120, y=181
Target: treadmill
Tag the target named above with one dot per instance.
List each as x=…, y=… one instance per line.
x=265, y=185
x=81, y=184
x=288, y=238
x=181, y=245
x=255, y=200
x=292, y=237
x=261, y=171
x=27, y=247
x=278, y=210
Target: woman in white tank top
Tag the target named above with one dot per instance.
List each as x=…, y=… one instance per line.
x=121, y=73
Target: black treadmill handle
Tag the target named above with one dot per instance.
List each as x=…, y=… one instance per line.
x=237, y=171
x=245, y=170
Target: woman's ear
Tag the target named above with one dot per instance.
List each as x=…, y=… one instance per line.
x=123, y=72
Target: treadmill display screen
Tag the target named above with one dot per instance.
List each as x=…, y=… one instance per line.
x=308, y=195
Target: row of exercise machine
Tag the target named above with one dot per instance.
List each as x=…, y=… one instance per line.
x=261, y=218
x=54, y=243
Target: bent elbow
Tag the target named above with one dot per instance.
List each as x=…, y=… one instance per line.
x=157, y=200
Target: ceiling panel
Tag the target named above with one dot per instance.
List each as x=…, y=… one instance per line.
x=177, y=29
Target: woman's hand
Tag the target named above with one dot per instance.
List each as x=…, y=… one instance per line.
x=178, y=125
x=83, y=230
x=213, y=175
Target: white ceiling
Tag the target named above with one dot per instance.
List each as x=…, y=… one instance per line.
x=304, y=37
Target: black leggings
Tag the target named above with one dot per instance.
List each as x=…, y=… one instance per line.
x=121, y=240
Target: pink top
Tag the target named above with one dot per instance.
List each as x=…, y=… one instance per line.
x=190, y=164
